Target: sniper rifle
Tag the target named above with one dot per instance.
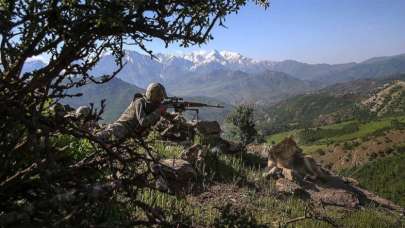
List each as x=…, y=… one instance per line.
x=180, y=106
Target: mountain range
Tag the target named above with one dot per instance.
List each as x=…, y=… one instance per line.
x=234, y=78
x=227, y=76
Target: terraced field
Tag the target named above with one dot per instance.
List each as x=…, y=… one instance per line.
x=364, y=130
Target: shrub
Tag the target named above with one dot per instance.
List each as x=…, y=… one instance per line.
x=242, y=119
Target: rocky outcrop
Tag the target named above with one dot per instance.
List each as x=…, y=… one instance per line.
x=208, y=128
x=174, y=175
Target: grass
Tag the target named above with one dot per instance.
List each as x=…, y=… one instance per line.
x=384, y=176
x=252, y=197
x=309, y=149
x=365, y=129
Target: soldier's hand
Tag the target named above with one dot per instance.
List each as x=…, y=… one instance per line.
x=162, y=108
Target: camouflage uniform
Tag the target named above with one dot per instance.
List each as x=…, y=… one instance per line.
x=140, y=115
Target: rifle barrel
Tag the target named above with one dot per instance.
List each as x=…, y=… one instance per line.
x=188, y=104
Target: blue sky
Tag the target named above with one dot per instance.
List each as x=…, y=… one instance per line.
x=312, y=31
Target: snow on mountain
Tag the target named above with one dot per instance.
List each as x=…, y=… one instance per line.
x=142, y=69
x=224, y=58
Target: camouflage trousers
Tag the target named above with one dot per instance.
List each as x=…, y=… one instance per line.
x=113, y=132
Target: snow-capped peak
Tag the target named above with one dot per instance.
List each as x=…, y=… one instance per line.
x=202, y=57
x=229, y=55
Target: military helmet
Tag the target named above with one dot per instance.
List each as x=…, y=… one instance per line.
x=155, y=92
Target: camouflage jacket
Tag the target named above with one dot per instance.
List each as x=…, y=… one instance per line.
x=139, y=115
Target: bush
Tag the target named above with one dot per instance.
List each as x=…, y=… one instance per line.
x=242, y=119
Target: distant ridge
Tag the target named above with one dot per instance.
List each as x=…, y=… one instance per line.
x=234, y=78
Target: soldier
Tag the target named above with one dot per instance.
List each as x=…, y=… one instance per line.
x=143, y=112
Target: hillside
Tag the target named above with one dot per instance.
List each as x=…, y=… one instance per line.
x=390, y=100
x=373, y=68
x=334, y=104
x=359, y=150
x=235, y=194
x=384, y=176
x=118, y=94
x=240, y=87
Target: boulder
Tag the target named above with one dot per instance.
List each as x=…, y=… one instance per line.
x=176, y=130
x=208, y=127
x=257, y=149
x=336, y=197
x=226, y=147
x=233, y=147
x=288, y=187
x=174, y=175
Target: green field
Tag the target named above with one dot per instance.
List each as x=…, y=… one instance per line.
x=384, y=176
x=365, y=129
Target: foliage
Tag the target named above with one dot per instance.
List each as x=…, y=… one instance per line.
x=304, y=111
x=396, y=124
x=75, y=148
x=363, y=114
x=341, y=132
x=59, y=186
x=242, y=118
x=384, y=176
x=309, y=135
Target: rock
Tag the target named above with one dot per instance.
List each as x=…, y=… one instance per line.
x=288, y=187
x=257, y=149
x=336, y=197
x=233, y=147
x=176, y=130
x=380, y=201
x=226, y=147
x=208, y=127
x=175, y=175
x=195, y=153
